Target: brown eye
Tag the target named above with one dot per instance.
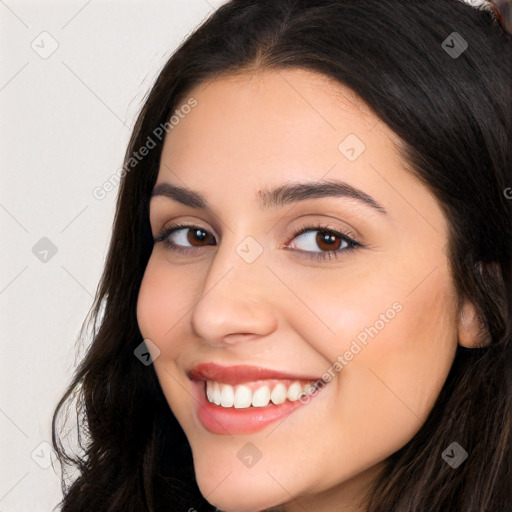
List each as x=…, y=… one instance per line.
x=198, y=237
x=320, y=240
x=183, y=237
x=328, y=241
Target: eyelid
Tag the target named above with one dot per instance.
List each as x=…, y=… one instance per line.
x=345, y=235
x=323, y=226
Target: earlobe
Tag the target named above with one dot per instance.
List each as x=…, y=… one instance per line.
x=472, y=331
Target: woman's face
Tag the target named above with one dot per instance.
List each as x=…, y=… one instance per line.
x=246, y=304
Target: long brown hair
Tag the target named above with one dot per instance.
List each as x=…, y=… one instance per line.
x=454, y=116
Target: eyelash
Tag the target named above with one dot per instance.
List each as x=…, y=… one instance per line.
x=352, y=244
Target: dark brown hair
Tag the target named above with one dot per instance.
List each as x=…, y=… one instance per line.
x=453, y=115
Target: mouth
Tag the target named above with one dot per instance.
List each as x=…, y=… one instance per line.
x=244, y=399
x=256, y=394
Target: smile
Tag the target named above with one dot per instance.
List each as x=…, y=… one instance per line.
x=245, y=399
x=256, y=394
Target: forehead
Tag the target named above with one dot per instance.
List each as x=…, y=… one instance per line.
x=274, y=99
x=259, y=131
x=254, y=121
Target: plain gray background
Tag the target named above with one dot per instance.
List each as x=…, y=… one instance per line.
x=72, y=77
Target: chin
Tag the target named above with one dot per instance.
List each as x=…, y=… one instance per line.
x=228, y=501
x=240, y=493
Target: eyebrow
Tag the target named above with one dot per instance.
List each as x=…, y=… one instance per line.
x=276, y=197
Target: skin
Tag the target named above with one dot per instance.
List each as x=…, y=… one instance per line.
x=291, y=312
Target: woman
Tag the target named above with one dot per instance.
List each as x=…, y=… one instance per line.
x=306, y=301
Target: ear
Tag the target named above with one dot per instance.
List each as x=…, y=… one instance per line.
x=472, y=331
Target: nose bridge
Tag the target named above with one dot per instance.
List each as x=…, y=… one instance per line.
x=234, y=299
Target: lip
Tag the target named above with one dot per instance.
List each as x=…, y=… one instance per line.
x=238, y=374
x=228, y=420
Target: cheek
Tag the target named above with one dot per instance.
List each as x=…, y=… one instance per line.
x=388, y=351
x=164, y=299
x=330, y=308
x=154, y=304
x=163, y=302
x=398, y=374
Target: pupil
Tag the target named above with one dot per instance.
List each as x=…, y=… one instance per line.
x=200, y=235
x=329, y=238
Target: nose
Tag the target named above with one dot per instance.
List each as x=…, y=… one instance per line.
x=236, y=303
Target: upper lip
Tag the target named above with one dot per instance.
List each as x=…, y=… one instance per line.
x=238, y=374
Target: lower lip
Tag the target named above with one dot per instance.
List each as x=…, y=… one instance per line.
x=231, y=421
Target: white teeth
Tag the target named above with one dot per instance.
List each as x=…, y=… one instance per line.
x=261, y=397
x=294, y=392
x=216, y=393
x=278, y=395
x=243, y=397
x=209, y=391
x=227, y=396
